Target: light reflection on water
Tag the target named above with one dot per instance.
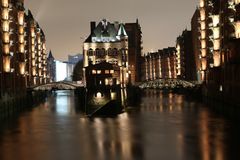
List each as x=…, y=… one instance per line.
x=165, y=126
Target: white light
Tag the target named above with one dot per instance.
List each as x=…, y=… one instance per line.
x=61, y=71
x=99, y=95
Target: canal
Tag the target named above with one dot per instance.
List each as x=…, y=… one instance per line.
x=164, y=126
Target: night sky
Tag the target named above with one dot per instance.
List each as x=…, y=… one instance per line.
x=66, y=23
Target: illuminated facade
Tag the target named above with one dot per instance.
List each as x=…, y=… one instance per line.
x=108, y=42
x=18, y=49
x=160, y=65
x=219, y=45
x=219, y=22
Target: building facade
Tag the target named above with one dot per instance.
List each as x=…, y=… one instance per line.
x=23, y=49
x=134, y=50
x=219, y=49
x=185, y=59
x=195, y=26
x=108, y=42
x=160, y=65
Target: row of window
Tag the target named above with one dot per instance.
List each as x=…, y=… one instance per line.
x=102, y=71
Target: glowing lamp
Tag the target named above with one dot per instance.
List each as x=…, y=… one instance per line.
x=99, y=95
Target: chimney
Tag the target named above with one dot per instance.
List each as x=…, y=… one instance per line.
x=93, y=26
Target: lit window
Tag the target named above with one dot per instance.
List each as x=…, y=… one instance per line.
x=107, y=72
x=5, y=3
x=201, y=3
x=94, y=72
x=202, y=14
x=216, y=33
x=21, y=48
x=6, y=49
x=5, y=26
x=6, y=37
x=215, y=19
x=98, y=71
x=21, y=38
x=216, y=44
x=21, y=29
x=21, y=18
x=237, y=29
x=5, y=14
x=6, y=64
x=112, y=71
x=22, y=68
x=216, y=59
x=203, y=25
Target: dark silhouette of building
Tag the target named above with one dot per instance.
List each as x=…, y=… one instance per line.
x=51, y=67
x=196, y=43
x=134, y=50
x=186, y=67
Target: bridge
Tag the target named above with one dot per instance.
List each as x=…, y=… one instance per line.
x=62, y=85
x=167, y=84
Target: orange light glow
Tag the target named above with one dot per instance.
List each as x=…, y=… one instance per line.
x=6, y=63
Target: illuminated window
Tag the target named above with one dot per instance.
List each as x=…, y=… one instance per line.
x=106, y=82
x=34, y=71
x=21, y=18
x=5, y=26
x=237, y=1
x=203, y=43
x=215, y=19
x=216, y=44
x=94, y=72
x=22, y=68
x=202, y=14
x=33, y=41
x=203, y=34
x=21, y=29
x=5, y=14
x=107, y=72
x=203, y=25
x=21, y=48
x=6, y=48
x=237, y=29
x=6, y=37
x=204, y=64
x=32, y=32
x=216, y=59
x=99, y=95
x=21, y=38
x=98, y=71
x=33, y=48
x=216, y=33
x=201, y=3
x=6, y=64
x=33, y=63
x=5, y=3
x=112, y=71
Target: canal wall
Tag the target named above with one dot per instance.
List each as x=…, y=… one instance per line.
x=13, y=105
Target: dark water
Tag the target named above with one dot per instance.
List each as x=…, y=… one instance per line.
x=163, y=127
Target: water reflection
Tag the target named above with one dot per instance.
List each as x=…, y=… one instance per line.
x=165, y=126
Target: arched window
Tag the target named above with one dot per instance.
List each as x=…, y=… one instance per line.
x=90, y=52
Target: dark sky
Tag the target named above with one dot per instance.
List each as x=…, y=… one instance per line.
x=67, y=22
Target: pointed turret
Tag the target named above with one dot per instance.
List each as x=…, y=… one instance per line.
x=122, y=32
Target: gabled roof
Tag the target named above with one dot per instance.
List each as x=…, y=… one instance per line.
x=122, y=32
x=106, y=31
x=50, y=55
